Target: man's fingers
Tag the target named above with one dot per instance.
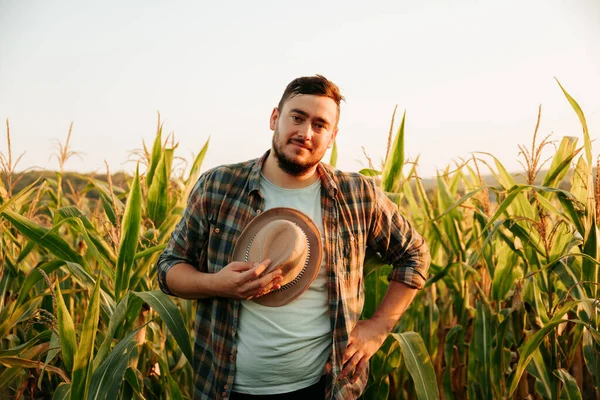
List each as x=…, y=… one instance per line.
x=255, y=271
x=350, y=365
x=258, y=286
x=240, y=266
x=350, y=350
x=274, y=284
x=362, y=365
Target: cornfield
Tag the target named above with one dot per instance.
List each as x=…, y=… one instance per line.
x=510, y=308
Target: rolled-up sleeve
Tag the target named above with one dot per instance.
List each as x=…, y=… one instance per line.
x=401, y=246
x=188, y=238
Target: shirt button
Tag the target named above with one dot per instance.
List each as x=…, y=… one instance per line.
x=217, y=230
x=258, y=211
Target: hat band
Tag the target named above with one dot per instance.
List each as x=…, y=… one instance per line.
x=297, y=278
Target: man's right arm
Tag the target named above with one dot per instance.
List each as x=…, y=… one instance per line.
x=179, y=270
x=239, y=280
x=183, y=280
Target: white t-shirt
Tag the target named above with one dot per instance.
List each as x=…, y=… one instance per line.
x=283, y=349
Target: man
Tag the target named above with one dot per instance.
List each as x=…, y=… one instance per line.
x=315, y=347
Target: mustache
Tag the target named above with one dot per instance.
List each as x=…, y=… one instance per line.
x=300, y=142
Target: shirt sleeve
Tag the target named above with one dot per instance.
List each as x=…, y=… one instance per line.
x=401, y=246
x=188, y=238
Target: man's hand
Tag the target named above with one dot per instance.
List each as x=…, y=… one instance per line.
x=243, y=280
x=364, y=341
x=368, y=335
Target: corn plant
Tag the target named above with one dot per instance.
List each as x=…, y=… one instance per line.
x=80, y=315
x=510, y=308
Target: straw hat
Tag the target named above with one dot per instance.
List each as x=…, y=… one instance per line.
x=291, y=240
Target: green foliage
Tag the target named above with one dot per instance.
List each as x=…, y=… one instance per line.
x=509, y=308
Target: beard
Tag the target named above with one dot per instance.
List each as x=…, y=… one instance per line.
x=289, y=165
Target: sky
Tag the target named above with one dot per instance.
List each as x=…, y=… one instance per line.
x=469, y=74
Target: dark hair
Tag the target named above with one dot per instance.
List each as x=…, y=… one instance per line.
x=316, y=85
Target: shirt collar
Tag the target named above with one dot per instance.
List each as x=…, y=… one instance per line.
x=325, y=173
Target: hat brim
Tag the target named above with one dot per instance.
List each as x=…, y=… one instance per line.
x=280, y=298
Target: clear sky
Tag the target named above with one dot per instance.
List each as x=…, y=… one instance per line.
x=470, y=75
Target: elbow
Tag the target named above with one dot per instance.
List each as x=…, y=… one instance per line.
x=162, y=267
x=413, y=267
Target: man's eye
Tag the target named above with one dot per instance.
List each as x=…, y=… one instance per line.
x=296, y=118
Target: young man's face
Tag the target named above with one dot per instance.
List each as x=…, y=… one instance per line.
x=303, y=131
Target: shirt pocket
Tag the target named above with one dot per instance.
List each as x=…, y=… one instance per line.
x=221, y=241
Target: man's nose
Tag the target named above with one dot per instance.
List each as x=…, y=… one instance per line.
x=307, y=132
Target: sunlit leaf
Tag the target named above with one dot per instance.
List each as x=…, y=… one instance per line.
x=419, y=364
x=171, y=316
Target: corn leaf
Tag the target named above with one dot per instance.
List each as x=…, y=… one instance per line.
x=570, y=390
x=85, y=352
x=155, y=157
x=130, y=232
x=419, y=364
x=15, y=365
x=66, y=330
x=456, y=204
x=54, y=349
x=171, y=316
x=34, y=277
x=23, y=193
x=369, y=172
x=504, y=274
x=587, y=143
x=521, y=206
x=116, y=319
x=589, y=353
x=538, y=369
x=498, y=362
x=195, y=170
x=561, y=162
x=14, y=314
x=11, y=361
x=15, y=351
x=107, y=379
x=62, y=392
x=379, y=390
x=44, y=237
x=589, y=267
x=528, y=348
x=449, y=349
x=334, y=155
x=482, y=347
x=158, y=199
x=392, y=170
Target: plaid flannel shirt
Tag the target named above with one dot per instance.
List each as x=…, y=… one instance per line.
x=356, y=214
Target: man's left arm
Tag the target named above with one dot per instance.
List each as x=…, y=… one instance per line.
x=405, y=249
x=368, y=335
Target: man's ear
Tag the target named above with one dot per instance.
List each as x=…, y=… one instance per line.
x=332, y=140
x=274, y=118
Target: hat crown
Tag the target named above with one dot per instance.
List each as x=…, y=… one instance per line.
x=285, y=244
x=291, y=240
